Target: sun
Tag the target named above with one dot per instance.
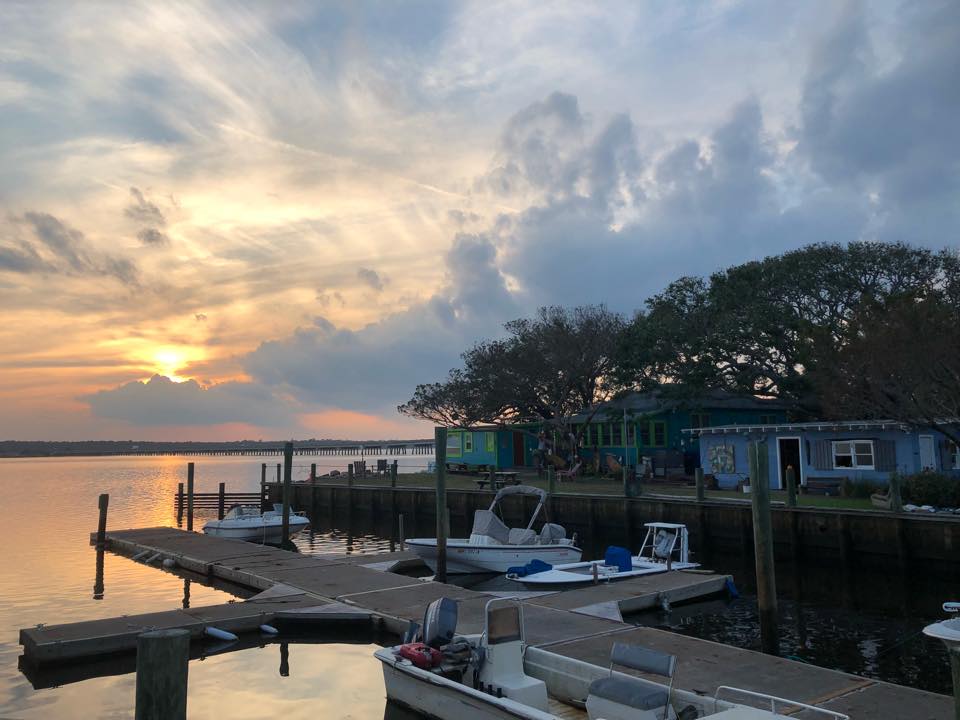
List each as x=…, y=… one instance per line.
x=168, y=360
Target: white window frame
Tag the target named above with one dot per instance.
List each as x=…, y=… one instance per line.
x=955, y=455
x=854, y=465
x=467, y=442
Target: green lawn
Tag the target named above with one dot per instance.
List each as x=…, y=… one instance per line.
x=604, y=486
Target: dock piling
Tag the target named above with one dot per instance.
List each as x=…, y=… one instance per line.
x=163, y=658
x=763, y=547
x=440, y=443
x=179, y=504
x=221, y=492
x=190, y=497
x=701, y=487
x=393, y=474
x=791, y=486
x=102, y=503
x=896, y=499
x=313, y=472
x=350, y=475
x=263, y=486
x=287, y=487
x=403, y=544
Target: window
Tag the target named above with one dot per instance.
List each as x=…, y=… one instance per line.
x=631, y=434
x=659, y=433
x=955, y=454
x=468, y=442
x=490, y=442
x=617, y=434
x=645, y=434
x=453, y=444
x=605, y=435
x=699, y=420
x=857, y=454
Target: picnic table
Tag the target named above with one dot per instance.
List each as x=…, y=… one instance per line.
x=499, y=480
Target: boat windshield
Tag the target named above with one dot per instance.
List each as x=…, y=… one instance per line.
x=243, y=511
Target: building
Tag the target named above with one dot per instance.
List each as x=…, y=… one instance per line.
x=854, y=450
x=637, y=425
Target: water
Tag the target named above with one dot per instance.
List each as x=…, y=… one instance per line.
x=866, y=621
x=47, y=575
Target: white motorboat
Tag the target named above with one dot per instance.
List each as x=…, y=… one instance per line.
x=494, y=548
x=494, y=676
x=246, y=522
x=666, y=546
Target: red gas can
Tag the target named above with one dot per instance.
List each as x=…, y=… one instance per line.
x=423, y=656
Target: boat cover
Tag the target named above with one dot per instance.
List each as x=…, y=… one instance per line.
x=521, y=490
x=485, y=522
x=534, y=566
x=522, y=536
x=618, y=557
x=551, y=534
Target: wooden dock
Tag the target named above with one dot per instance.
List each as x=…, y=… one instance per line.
x=582, y=623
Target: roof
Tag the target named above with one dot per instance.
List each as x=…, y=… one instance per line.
x=800, y=427
x=656, y=401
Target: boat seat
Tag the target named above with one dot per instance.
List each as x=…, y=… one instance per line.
x=551, y=534
x=522, y=536
x=630, y=692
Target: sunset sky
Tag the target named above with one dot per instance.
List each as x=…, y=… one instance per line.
x=273, y=219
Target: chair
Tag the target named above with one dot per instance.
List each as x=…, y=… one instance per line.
x=614, y=466
x=382, y=467
x=620, y=697
x=571, y=473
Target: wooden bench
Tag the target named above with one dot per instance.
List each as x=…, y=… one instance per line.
x=499, y=480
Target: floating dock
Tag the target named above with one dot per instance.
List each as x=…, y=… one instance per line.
x=581, y=623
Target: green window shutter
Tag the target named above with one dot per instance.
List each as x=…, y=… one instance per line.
x=822, y=455
x=885, y=455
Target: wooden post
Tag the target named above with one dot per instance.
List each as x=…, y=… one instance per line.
x=551, y=481
x=350, y=475
x=954, y=652
x=284, y=660
x=393, y=474
x=163, y=658
x=791, y=486
x=440, y=442
x=263, y=486
x=102, y=504
x=179, y=504
x=701, y=486
x=896, y=499
x=313, y=472
x=189, y=497
x=98, y=578
x=221, y=500
x=279, y=475
x=400, y=532
x=763, y=547
x=287, y=487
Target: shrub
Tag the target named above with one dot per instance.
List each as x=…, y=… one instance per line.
x=860, y=488
x=931, y=488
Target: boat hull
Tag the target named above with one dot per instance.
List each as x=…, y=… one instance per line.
x=260, y=532
x=464, y=558
x=581, y=573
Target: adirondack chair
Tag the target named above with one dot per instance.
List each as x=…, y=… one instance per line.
x=571, y=473
x=613, y=465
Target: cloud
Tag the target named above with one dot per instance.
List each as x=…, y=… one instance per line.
x=54, y=247
x=152, y=236
x=200, y=317
x=160, y=401
x=370, y=278
x=143, y=211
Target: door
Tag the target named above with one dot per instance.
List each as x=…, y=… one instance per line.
x=518, y=455
x=928, y=454
x=788, y=454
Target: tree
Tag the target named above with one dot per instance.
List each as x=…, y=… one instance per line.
x=547, y=369
x=901, y=362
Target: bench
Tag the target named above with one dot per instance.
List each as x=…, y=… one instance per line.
x=499, y=480
x=823, y=486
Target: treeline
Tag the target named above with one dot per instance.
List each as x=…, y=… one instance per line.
x=864, y=330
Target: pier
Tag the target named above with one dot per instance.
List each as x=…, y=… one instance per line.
x=582, y=623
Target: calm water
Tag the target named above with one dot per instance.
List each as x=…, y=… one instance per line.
x=48, y=575
x=866, y=621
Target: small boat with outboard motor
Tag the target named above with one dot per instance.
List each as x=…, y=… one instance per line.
x=496, y=676
x=493, y=547
x=246, y=522
x=666, y=546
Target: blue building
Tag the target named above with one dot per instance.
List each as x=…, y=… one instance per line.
x=855, y=450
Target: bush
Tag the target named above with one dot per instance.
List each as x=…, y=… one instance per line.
x=860, y=488
x=931, y=488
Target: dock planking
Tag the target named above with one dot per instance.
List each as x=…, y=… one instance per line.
x=290, y=582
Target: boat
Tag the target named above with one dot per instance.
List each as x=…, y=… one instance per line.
x=246, y=522
x=666, y=546
x=495, y=676
x=494, y=548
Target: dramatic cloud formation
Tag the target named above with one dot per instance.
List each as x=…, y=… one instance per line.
x=314, y=208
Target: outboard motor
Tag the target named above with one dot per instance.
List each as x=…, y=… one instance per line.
x=439, y=622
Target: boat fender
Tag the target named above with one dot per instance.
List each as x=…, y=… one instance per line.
x=421, y=655
x=169, y=563
x=152, y=558
x=140, y=555
x=269, y=630
x=219, y=634
x=664, y=602
x=732, y=589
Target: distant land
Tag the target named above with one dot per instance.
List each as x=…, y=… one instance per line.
x=77, y=448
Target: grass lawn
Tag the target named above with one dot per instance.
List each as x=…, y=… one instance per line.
x=604, y=486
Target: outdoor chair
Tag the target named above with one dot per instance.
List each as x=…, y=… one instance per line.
x=571, y=473
x=613, y=465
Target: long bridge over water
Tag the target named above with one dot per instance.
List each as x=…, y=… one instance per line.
x=389, y=448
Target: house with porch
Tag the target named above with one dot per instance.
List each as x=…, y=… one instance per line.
x=630, y=428
x=825, y=451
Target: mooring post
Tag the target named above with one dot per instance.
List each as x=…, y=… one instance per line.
x=287, y=487
x=263, y=486
x=350, y=475
x=896, y=499
x=791, y=486
x=221, y=500
x=763, y=547
x=190, y=497
x=98, y=578
x=440, y=443
x=179, y=504
x=279, y=476
x=313, y=472
x=701, y=487
x=102, y=504
x=393, y=474
x=403, y=544
x=284, y=660
x=163, y=658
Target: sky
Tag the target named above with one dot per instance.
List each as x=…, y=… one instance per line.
x=272, y=220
